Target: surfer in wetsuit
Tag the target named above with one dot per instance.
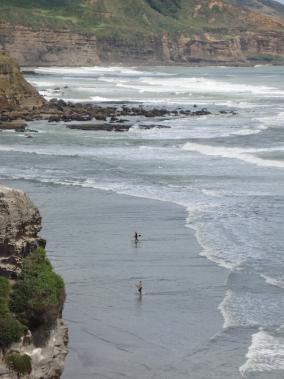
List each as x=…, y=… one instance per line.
x=136, y=237
x=140, y=287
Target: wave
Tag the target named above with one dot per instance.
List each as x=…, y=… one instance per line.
x=266, y=353
x=272, y=281
x=199, y=85
x=251, y=309
x=98, y=70
x=245, y=155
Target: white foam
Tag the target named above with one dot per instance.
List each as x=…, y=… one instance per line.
x=272, y=281
x=245, y=155
x=97, y=70
x=103, y=99
x=199, y=85
x=266, y=353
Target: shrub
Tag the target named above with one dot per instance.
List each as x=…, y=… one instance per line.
x=4, y=293
x=11, y=330
x=39, y=293
x=21, y=364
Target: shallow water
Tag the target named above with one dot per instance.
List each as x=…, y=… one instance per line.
x=225, y=170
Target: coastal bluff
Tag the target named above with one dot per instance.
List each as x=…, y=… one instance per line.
x=20, y=247
x=15, y=92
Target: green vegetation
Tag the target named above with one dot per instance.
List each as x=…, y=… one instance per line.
x=39, y=293
x=36, y=300
x=11, y=329
x=258, y=57
x=166, y=7
x=124, y=18
x=21, y=364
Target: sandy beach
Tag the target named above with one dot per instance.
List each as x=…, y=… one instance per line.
x=175, y=329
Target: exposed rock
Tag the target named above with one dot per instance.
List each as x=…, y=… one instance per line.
x=17, y=125
x=47, y=360
x=46, y=46
x=20, y=223
x=110, y=127
x=15, y=91
x=65, y=47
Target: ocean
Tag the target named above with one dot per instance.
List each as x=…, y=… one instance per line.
x=226, y=170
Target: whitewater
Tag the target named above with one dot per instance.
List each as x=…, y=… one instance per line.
x=225, y=169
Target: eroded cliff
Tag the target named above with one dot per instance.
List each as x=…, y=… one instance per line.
x=47, y=47
x=15, y=92
x=88, y=32
x=20, y=223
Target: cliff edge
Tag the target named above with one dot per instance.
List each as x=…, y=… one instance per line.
x=15, y=91
x=88, y=32
x=31, y=294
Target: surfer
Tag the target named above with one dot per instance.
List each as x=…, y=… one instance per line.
x=136, y=237
x=140, y=287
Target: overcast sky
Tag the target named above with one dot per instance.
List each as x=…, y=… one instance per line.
x=281, y=1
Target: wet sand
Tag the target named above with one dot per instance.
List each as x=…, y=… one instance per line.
x=175, y=329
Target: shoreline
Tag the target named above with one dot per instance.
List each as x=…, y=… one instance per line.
x=168, y=214
x=165, y=64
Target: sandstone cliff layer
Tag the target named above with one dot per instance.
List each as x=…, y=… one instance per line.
x=15, y=92
x=20, y=223
x=63, y=47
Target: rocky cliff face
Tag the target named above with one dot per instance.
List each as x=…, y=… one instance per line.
x=47, y=360
x=15, y=92
x=20, y=223
x=89, y=32
x=46, y=47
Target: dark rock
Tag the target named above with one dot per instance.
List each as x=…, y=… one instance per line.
x=103, y=126
x=101, y=117
x=18, y=126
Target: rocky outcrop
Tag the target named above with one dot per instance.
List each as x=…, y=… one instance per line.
x=206, y=48
x=20, y=223
x=15, y=92
x=48, y=47
x=269, y=42
x=47, y=360
x=63, y=47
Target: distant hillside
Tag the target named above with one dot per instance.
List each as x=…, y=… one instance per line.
x=81, y=32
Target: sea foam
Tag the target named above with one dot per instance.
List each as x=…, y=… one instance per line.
x=266, y=353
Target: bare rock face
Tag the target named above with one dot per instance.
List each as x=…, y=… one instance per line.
x=15, y=92
x=47, y=360
x=20, y=223
x=65, y=47
x=48, y=47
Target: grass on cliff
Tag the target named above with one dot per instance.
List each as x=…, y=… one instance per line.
x=36, y=299
x=39, y=294
x=125, y=17
x=21, y=364
x=11, y=329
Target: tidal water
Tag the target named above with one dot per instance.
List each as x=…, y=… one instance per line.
x=225, y=170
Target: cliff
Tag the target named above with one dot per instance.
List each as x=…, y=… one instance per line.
x=15, y=92
x=89, y=32
x=20, y=223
